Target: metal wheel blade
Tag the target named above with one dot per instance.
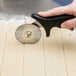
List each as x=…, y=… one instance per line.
x=28, y=34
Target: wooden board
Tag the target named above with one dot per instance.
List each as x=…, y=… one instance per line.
x=52, y=56
x=13, y=55
x=69, y=48
x=2, y=42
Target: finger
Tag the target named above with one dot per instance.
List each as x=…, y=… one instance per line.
x=57, y=11
x=69, y=24
x=74, y=1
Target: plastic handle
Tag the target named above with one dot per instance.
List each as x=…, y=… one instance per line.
x=49, y=22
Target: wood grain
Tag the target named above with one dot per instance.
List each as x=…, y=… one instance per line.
x=52, y=56
x=69, y=48
x=13, y=56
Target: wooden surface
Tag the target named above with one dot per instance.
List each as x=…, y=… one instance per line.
x=53, y=56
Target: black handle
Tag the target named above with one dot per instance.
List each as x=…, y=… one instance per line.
x=53, y=21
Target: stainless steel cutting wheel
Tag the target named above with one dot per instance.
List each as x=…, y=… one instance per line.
x=28, y=34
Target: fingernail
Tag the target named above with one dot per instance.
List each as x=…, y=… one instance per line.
x=63, y=25
x=39, y=12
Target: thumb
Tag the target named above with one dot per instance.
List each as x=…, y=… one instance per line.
x=69, y=24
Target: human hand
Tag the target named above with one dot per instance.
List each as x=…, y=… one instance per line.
x=69, y=9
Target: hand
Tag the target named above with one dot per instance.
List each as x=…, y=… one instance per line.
x=69, y=9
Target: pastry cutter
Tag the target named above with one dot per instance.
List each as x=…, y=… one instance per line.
x=31, y=33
